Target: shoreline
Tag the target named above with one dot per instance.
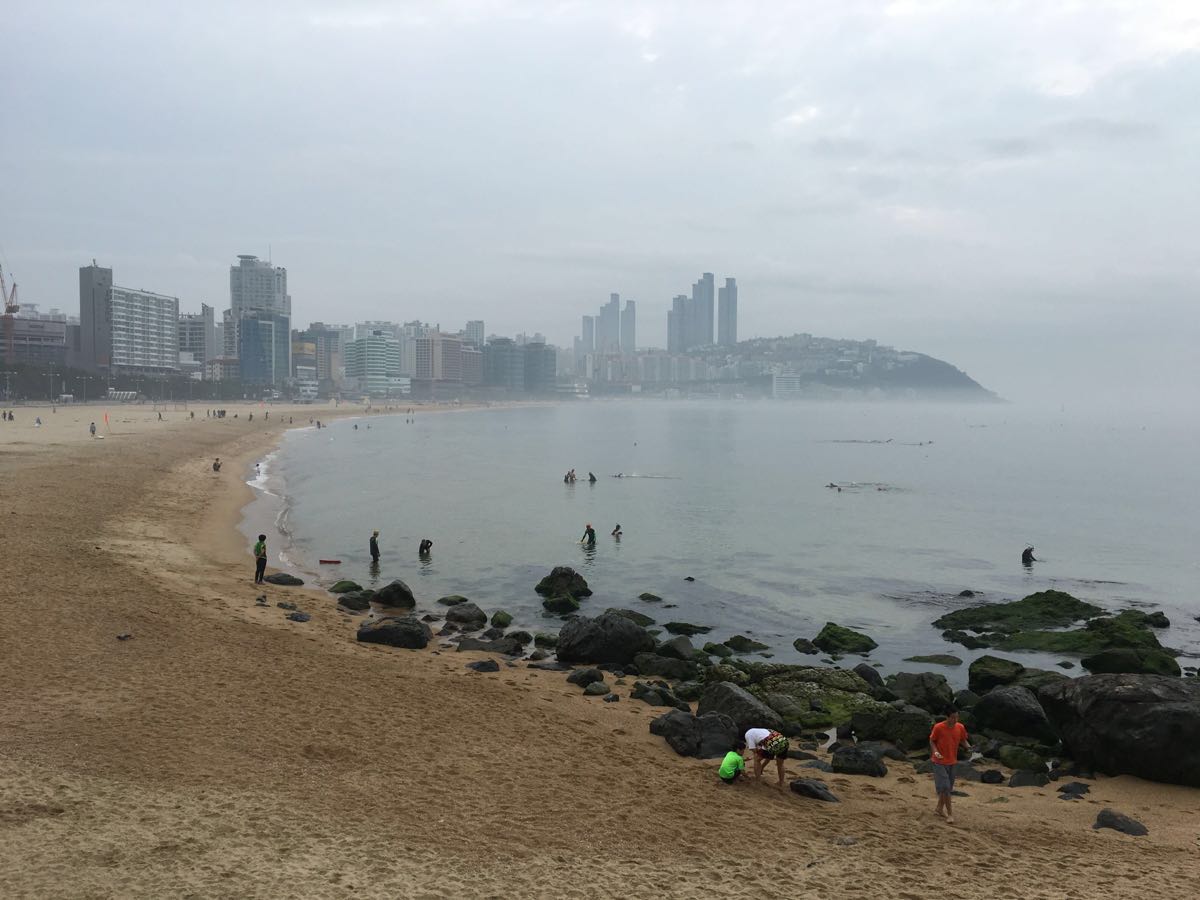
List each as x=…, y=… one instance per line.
x=224, y=751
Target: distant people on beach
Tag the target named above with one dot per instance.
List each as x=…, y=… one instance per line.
x=160, y=417
x=617, y=532
x=733, y=766
x=217, y=464
x=374, y=545
x=589, y=535
x=425, y=548
x=944, y=740
x=767, y=745
x=37, y=422
x=260, y=559
x=1027, y=557
x=92, y=429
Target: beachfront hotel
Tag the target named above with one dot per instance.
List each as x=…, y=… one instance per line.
x=125, y=330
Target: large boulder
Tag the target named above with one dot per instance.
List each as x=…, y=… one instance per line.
x=563, y=580
x=466, y=616
x=1020, y=759
x=358, y=601
x=395, y=595
x=562, y=604
x=665, y=666
x=1144, y=725
x=633, y=616
x=813, y=788
x=708, y=736
x=677, y=648
x=1014, y=710
x=835, y=638
x=1046, y=609
x=927, y=690
x=854, y=760
x=869, y=674
x=283, y=579
x=1134, y=660
x=396, y=631
x=904, y=725
x=1110, y=818
x=988, y=672
x=608, y=638
x=504, y=645
x=344, y=586
x=734, y=701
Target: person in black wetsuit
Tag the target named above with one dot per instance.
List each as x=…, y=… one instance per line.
x=616, y=532
x=1027, y=557
x=374, y=544
x=589, y=536
x=591, y=478
x=426, y=546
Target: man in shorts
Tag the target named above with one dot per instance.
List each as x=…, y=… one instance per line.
x=944, y=742
x=766, y=745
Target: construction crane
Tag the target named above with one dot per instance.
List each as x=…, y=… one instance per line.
x=11, y=308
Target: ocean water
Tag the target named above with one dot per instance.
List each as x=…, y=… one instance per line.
x=934, y=500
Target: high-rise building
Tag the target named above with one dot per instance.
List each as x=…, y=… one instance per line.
x=504, y=364
x=629, y=327
x=123, y=329
x=540, y=365
x=264, y=349
x=701, y=308
x=373, y=363
x=198, y=334
x=608, y=329
x=329, y=341
x=727, y=314
x=472, y=366
x=257, y=286
x=474, y=333
x=587, y=337
x=439, y=358
x=677, y=325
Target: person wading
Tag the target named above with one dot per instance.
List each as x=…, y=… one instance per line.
x=375, y=546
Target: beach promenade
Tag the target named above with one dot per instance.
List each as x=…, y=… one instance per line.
x=224, y=751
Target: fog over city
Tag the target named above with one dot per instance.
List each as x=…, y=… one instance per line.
x=1013, y=187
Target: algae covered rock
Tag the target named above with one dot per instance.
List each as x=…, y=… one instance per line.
x=1133, y=660
x=636, y=617
x=1045, y=609
x=717, y=650
x=345, y=586
x=988, y=672
x=561, y=604
x=835, y=638
x=936, y=659
x=739, y=643
x=501, y=619
x=687, y=628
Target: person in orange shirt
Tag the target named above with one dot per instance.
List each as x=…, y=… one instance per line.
x=944, y=740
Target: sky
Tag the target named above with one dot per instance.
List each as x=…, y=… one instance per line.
x=1013, y=187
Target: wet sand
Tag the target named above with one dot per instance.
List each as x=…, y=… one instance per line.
x=223, y=751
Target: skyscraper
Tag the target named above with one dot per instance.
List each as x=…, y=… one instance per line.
x=257, y=286
x=264, y=347
x=608, y=331
x=700, y=319
x=198, y=334
x=587, y=337
x=474, y=333
x=629, y=327
x=677, y=324
x=727, y=314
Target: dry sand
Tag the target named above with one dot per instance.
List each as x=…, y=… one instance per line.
x=225, y=752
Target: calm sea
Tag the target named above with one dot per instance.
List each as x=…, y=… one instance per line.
x=934, y=500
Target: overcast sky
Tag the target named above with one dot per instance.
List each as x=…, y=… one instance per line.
x=1011, y=186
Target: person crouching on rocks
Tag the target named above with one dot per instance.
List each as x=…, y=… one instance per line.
x=767, y=745
x=733, y=766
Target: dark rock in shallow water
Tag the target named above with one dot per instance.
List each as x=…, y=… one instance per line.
x=1134, y=660
x=584, y=677
x=636, y=617
x=1025, y=778
x=596, y=689
x=466, y=616
x=804, y=645
x=1047, y=609
x=359, y=601
x=936, y=659
x=648, y=597
x=1015, y=710
x=869, y=674
x=1110, y=818
x=345, y=586
x=688, y=578
x=506, y=646
x=408, y=632
x=966, y=594
x=501, y=619
x=484, y=665
x=677, y=648
x=858, y=761
x=395, y=595
x=1144, y=725
x=719, y=650
x=988, y=672
x=835, y=638
x=606, y=638
x=746, y=710
x=452, y=600
x=284, y=579
x=563, y=580
x=562, y=604
x=1065, y=664
x=687, y=628
x=926, y=690
x=739, y=643
x=814, y=789
x=665, y=666
x=992, y=776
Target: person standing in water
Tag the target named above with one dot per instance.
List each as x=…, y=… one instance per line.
x=374, y=543
x=425, y=548
x=260, y=559
x=589, y=536
x=1027, y=557
x=617, y=532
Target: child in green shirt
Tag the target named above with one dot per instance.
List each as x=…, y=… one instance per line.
x=733, y=766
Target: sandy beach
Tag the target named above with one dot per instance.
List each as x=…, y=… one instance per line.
x=223, y=751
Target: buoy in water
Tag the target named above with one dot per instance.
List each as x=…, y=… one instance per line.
x=330, y=562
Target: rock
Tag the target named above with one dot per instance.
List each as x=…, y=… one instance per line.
x=545, y=639
x=869, y=674
x=838, y=639
x=1130, y=659
x=687, y=628
x=1124, y=724
x=345, y=586
x=905, y=726
x=927, y=690
x=965, y=699
x=967, y=593
x=606, y=638
x=992, y=776
x=1074, y=787
x=814, y=789
x=505, y=646
x=1065, y=664
x=819, y=764
x=596, y=689
x=689, y=690
x=1015, y=710
x=452, y=600
x=611, y=698
x=493, y=633
x=657, y=693
x=1020, y=758
x=963, y=770
x=636, y=617
x=884, y=750
x=1110, y=818
x=1047, y=609
x=858, y=761
x=988, y=672
x=708, y=736
x=562, y=604
x=484, y=665
x=501, y=619
x=538, y=655
x=804, y=645
x=1025, y=778
x=717, y=650
x=395, y=595
x=677, y=648
x=285, y=580
x=359, y=601
x=688, y=578
x=1158, y=620
x=298, y=617
x=1035, y=679
x=563, y=580
x=584, y=677
x=466, y=616
x=396, y=631
x=734, y=701
x=648, y=597
x=739, y=643
x=284, y=604
x=936, y=659
x=664, y=666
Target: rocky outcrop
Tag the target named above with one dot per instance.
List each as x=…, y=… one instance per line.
x=857, y=761
x=608, y=638
x=904, y=725
x=345, y=586
x=633, y=616
x=677, y=648
x=395, y=595
x=563, y=580
x=927, y=690
x=734, y=701
x=467, y=616
x=708, y=736
x=739, y=643
x=1144, y=725
x=396, y=631
x=1132, y=660
x=835, y=638
x=988, y=672
x=358, y=601
x=1014, y=710
x=1020, y=758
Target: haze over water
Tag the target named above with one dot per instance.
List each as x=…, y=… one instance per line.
x=739, y=502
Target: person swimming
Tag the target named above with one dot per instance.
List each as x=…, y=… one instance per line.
x=425, y=548
x=1027, y=557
